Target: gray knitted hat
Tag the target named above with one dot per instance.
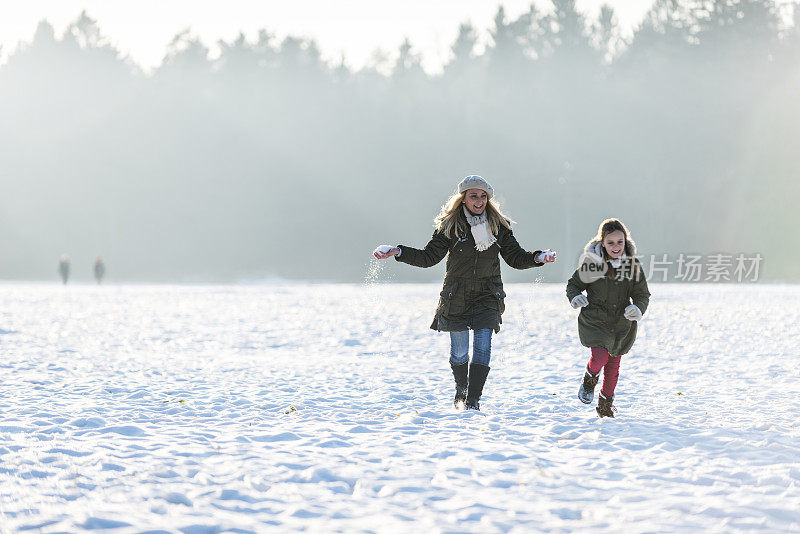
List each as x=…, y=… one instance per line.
x=475, y=182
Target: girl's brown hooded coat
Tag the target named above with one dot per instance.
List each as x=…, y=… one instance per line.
x=602, y=323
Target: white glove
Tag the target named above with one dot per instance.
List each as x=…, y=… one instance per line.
x=633, y=313
x=580, y=301
x=546, y=256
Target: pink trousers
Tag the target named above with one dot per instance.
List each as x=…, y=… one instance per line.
x=601, y=359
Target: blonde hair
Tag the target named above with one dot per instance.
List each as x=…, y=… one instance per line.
x=446, y=221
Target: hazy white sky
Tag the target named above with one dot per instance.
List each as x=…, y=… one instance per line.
x=355, y=28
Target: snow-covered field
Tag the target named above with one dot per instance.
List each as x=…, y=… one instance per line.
x=327, y=408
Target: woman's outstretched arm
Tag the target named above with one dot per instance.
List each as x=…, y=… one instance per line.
x=519, y=258
x=434, y=251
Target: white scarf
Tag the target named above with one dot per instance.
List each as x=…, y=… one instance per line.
x=479, y=225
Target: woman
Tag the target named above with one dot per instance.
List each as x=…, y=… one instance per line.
x=471, y=230
x=616, y=298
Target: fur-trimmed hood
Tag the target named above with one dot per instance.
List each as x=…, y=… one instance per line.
x=594, y=264
x=594, y=250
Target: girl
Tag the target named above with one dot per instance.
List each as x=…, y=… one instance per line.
x=471, y=230
x=612, y=277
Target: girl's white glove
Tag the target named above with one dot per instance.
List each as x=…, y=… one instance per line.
x=633, y=313
x=580, y=301
x=546, y=256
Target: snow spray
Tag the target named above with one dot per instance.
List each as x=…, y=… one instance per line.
x=525, y=316
x=375, y=289
x=374, y=269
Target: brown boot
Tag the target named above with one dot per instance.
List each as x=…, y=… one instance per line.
x=605, y=406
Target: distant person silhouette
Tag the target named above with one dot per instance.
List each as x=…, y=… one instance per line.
x=63, y=268
x=99, y=269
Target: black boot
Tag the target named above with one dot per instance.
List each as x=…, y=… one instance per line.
x=605, y=406
x=477, y=378
x=586, y=391
x=460, y=374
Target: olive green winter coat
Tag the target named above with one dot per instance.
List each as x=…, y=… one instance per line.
x=602, y=323
x=472, y=295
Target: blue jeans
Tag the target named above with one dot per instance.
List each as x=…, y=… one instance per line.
x=481, y=347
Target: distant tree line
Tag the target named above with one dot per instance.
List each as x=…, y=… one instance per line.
x=269, y=161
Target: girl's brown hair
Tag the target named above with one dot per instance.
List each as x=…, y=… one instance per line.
x=610, y=226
